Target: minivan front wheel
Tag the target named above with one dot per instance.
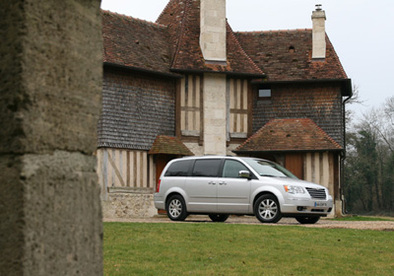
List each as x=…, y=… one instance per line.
x=266, y=209
x=176, y=208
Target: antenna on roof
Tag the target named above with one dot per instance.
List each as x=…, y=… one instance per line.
x=318, y=7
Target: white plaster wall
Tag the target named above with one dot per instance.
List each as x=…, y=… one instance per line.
x=124, y=168
x=319, y=169
x=195, y=148
x=230, y=148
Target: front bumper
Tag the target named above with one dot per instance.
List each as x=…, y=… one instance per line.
x=302, y=206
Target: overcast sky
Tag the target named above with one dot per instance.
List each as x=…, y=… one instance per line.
x=360, y=30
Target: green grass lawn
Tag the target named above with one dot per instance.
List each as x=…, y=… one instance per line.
x=230, y=249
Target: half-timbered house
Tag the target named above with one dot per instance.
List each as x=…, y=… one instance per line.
x=189, y=85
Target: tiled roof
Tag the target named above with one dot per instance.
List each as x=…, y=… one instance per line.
x=169, y=145
x=135, y=43
x=289, y=135
x=287, y=55
x=172, y=44
x=183, y=20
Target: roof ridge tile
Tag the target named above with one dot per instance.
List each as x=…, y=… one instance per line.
x=181, y=33
x=274, y=31
x=242, y=50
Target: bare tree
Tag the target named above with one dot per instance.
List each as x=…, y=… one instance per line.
x=389, y=110
x=381, y=121
x=369, y=167
x=354, y=100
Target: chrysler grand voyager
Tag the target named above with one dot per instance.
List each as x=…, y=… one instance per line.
x=220, y=186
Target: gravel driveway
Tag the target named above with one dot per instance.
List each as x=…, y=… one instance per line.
x=323, y=223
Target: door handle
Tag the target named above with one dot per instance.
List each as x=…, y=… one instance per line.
x=211, y=183
x=222, y=183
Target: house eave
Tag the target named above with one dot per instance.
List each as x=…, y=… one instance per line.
x=141, y=70
x=346, y=84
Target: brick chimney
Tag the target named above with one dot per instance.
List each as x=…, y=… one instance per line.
x=213, y=30
x=318, y=33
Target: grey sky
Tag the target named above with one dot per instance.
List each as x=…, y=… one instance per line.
x=360, y=30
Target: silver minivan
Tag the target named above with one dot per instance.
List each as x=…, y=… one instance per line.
x=221, y=185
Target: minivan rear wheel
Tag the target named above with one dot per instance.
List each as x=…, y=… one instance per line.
x=176, y=208
x=218, y=217
x=266, y=209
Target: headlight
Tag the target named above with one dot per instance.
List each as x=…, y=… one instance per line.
x=294, y=189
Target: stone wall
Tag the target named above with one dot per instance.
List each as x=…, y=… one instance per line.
x=319, y=34
x=128, y=205
x=215, y=114
x=51, y=73
x=213, y=30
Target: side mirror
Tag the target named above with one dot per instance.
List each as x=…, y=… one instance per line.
x=244, y=174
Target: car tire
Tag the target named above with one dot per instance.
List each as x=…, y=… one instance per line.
x=176, y=208
x=267, y=209
x=218, y=217
x=307, y=220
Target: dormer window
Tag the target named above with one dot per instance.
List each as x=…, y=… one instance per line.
x=265, y=93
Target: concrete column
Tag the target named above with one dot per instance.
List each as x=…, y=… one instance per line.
x=50, y=75
x=215, y=114
x=319, y=33
x=213, y=30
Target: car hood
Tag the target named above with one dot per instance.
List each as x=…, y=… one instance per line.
x=291, y=181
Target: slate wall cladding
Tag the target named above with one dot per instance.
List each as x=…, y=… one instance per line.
x=319, y=102
x=136, y=108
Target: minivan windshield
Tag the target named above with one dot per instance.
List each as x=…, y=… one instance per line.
x=270, y=169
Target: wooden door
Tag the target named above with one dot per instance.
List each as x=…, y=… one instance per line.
x=294, y=162
x=161, y=162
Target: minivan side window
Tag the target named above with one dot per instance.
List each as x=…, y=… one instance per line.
x=180, y=168
x=206, y=167
x=231, y=168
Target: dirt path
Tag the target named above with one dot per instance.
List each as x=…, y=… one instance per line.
x=323, y=223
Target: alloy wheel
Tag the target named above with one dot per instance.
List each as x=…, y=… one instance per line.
x=268, y=209
x=175, y=208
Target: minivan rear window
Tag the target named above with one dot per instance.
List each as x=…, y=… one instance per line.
x=206, y=168
x=180, y=168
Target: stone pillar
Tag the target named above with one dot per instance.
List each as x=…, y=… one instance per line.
x=213, y=30
x=50, y=72
x=215, y=114
x=319, y=33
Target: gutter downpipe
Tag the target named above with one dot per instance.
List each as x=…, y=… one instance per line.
x=343, y=156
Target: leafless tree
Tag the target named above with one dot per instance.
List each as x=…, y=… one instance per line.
x=369, y=167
